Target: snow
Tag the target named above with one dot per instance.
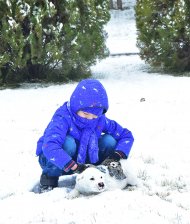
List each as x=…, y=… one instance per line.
x=154, y=107
x=120, y=29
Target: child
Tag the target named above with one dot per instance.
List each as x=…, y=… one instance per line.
x=80, y=133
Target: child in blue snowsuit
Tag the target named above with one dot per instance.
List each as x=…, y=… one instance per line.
x=80, y=133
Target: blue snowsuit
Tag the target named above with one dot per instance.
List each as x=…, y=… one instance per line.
x=89, y=96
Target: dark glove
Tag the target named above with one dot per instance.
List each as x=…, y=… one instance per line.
x=117, y=155
x=80, y=168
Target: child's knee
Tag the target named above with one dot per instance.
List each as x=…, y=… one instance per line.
x=70, y=145
x=107, y=142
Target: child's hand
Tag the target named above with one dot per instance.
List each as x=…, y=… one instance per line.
x=111, y=158
x=80, y=168
x=107, y=161
x=115, y=156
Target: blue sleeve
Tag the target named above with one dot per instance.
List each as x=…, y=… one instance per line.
x=122, y=135
x=54, y=138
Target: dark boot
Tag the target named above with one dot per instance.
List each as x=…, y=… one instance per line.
x=47, y=183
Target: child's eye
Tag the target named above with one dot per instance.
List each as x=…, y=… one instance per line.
x=92, y=178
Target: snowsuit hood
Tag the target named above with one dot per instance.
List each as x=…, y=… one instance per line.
x=89, y=93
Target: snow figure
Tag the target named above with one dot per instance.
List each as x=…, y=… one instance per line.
x=106, y=177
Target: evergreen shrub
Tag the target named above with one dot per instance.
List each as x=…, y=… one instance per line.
x=164, y=33
x=52, y=40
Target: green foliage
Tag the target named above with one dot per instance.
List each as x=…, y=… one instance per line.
x=164, y=33
x=54, y=40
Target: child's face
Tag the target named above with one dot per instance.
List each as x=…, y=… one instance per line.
x=86, y=115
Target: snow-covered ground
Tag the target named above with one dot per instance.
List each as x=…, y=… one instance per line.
x=154, y=107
